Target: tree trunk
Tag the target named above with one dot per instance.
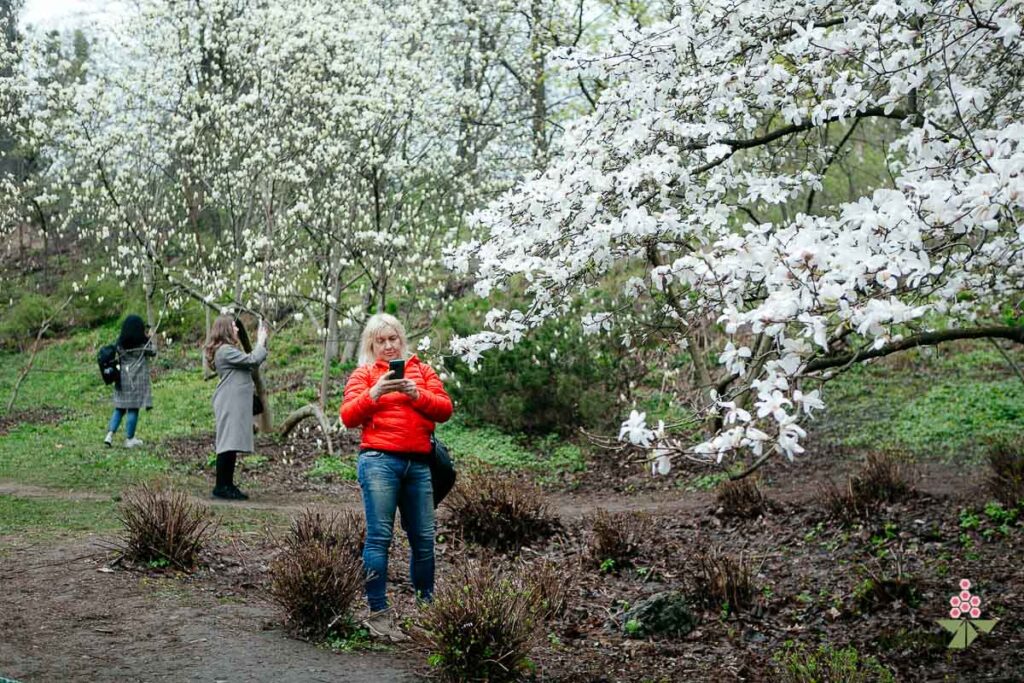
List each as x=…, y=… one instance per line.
x=538, y=87
x=207, y=370
x=331, y=348
x=148, y=287
x=306, y=411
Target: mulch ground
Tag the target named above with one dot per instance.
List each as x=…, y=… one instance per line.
x=810, y=577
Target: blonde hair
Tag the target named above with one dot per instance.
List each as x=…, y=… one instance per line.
x=222, y=332
x=375, y=325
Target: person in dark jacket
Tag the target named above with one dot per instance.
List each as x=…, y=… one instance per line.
x=233, y=398
x=134, y=390
x=397, y=417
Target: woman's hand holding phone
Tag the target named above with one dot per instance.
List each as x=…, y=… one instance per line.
x=386, y=385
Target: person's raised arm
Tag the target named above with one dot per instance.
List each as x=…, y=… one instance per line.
x=234, y=358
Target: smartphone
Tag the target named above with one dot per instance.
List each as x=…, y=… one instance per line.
x=397, y=368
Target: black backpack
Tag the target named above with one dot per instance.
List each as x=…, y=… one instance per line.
x=110, y=368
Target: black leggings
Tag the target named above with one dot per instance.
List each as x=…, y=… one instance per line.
x=226, y=468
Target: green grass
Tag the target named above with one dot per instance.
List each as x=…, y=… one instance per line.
x=338, y=467
x=939, y=405
x=47, y=516
x=473, y=446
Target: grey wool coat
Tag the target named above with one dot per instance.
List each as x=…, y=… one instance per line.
x=135, y=390
x=232, y=400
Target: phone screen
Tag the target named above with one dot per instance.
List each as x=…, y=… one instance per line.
x=397, y=367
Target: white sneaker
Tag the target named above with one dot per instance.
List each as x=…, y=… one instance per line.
x=132, y=443
x=110, y=439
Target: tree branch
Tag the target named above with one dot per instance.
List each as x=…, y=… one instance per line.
x=926, y=339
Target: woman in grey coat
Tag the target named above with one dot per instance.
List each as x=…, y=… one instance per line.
x=233, y=398
x=134, y=390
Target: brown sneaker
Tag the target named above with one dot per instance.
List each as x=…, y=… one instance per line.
x=381, y=626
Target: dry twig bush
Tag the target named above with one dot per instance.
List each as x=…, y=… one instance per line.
x=318, y=576
x=1006, y=473
x=485, y=619
x=553, y=583
x=724, y=581
x=162, y=526
x=328, y=527
x=742, y=498
x=618, y=537
x=499, y=512
x=880, y=480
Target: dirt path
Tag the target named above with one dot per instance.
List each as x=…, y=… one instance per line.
x=64, y=619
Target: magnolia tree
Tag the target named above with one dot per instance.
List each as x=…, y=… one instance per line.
x=701, y=182
x=272, y=170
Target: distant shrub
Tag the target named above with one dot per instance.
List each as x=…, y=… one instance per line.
x=98, y=302
x=1006, y=473
x=318, y=575
x=499, y=511
x=162, y=526
x=880, y=480
x=554, y=380
x=618, y=537
x=742, y=498
x=485, y=620
x=21, y=323
x=794, y=663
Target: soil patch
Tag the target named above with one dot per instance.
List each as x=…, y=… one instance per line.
x=41, y=416
x=280, y=466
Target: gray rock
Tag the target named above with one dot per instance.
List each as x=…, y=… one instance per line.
x=664, y=614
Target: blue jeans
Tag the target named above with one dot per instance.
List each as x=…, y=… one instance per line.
x=389, y=482
x=129, y=425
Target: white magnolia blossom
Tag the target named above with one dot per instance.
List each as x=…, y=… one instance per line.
x=272, y=154
x=703, y=172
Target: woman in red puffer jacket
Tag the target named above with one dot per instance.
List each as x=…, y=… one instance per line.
x=397, y=417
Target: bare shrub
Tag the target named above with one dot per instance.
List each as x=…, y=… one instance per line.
x=618, y=537
x=499, y=512
x=725, y=581
x=742, y=498
x=328, y=527
x=318, y=575
x=162, y=526
x=485, y=620
x=553, y=583
x=1006, y=473
x=879, y=480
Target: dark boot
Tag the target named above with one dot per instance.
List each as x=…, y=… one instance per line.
x=225, y=487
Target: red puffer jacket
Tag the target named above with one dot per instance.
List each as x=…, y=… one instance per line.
x=395, y=422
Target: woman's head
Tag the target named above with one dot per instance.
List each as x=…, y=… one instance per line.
x=383, y=339
x=133, y=333
x=222, y=331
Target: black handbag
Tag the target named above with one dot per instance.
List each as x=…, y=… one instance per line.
x=442, y=471
x=257, y=405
